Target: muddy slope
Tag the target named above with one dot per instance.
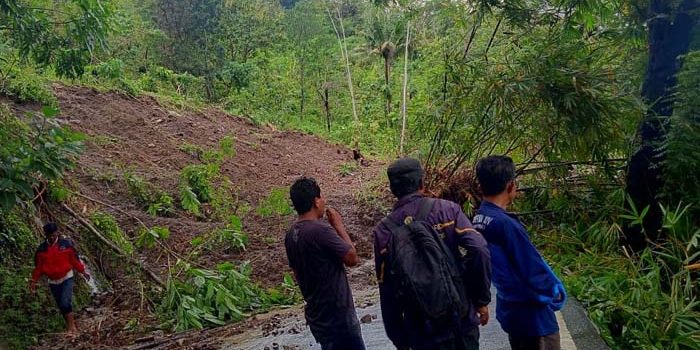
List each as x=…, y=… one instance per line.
x=146, y=137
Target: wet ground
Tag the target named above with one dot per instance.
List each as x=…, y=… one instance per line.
x=287, y=330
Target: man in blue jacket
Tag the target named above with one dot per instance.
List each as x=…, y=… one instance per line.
x=528, y=292
x=403, y=327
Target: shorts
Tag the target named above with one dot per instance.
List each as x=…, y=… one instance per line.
x=63, y=293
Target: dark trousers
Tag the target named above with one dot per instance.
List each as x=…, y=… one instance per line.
x=547, y=342
x=350, y=341
x=63, y=293
x=468, y=341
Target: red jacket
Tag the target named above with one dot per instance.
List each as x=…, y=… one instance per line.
x=56, y=260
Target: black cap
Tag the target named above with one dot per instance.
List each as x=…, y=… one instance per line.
x=405, y=176
x=405, y=169
x=50, y=228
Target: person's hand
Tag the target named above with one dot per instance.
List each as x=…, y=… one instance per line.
x=32, y=286
x=334, y=217
x=483, y=315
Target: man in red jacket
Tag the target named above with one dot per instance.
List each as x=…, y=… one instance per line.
x=56, y=258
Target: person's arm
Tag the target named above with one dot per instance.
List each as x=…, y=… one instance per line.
x=477, y=262
x=391, y=314
x=334, y=219
x=36, y=273
x=541, y=283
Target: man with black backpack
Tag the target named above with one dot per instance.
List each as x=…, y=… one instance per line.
x=433, y=268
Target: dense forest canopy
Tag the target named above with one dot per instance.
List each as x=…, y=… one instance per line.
x=595, y=100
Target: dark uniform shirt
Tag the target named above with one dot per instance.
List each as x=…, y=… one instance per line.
x=465, y=243
x=315, y=253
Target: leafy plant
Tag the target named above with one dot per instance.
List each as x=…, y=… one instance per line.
x=277, y=203
x=189, y=200
x=232, y=233
x=156, y=202
x=212, y=297
x=65, y=37
x=198, y=179
x=34, y=150
x=149, y=237
x=110, y=228
x=58, y=191
x=162, y=206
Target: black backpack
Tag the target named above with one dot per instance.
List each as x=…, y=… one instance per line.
x=423, y=270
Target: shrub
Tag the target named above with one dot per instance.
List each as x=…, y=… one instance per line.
x=149, y=237
x=106, y=224
x=277, y=203
x=156, y=202
x=34, y=151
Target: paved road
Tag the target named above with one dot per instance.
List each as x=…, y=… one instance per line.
x=577, y=332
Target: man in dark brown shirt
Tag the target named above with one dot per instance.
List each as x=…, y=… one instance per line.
x=318, y=253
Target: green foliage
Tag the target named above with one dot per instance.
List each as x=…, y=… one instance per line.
x=198, y=180
x=277, y=203
x=22, y=315
x=682, y=151
x=21, y=81
x=156, y=202
x=231, y=234
x=148, y=237
x=189, y=200
x=35, y=149
x=58, y=192
x=162, y=206
x=108, y=226
x=112, y=74
x=348, y=168
x=16, y=237
x=206, y=298
x=64, y=35
x=644, y=301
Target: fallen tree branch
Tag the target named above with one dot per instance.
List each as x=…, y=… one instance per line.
x=693, y=267
x=139, y=221
x=549, y=165
x=113, y=246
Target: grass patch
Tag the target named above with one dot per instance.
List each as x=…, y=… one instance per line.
x=276, y=203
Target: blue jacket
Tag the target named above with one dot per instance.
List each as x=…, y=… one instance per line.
x=459, y=236
x=528, y=292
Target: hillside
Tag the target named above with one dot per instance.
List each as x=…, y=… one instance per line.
x=127, y=137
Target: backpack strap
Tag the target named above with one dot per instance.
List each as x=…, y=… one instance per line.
x=426, y=205
x=390, y=224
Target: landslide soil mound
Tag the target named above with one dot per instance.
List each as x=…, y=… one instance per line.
x=146, y=137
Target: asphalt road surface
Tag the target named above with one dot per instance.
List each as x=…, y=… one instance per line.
x=576, y=330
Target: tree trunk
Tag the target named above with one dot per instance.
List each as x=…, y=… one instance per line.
x=327, y=108
x=669, y=38
x=301, y=88
x=387, y=108
x=344, y=52
x=405, y=89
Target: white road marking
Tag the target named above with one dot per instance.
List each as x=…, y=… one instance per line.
x=567, y=343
